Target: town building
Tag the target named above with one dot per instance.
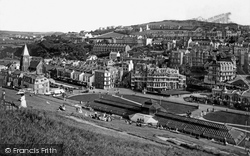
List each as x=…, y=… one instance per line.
x=3, y=67
x=132, y=41
x=114, y=55
x=38, y=83
x=78, y=75
x=176, y=59
x=15, y=79
x=240, y=52
x=246, y=66
x=157, y=79
x=4, y=81
x=89, y=79
x=102, y=79
x=122, y=48
x=30, y=63
x=232, y=98
x=127, y=66
x=13, y=66
x=197, y=56
x=221, y=71
x=107, y=78
x=91, y=58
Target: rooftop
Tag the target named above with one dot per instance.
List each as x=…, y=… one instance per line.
x=109, y=35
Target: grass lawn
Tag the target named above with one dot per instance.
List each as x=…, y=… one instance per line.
x=169, y=106
x=86, y=97
x=227, y=117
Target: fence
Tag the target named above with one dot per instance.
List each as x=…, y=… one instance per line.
x=7, y=105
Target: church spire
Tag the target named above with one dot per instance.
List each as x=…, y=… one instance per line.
x=25, y=51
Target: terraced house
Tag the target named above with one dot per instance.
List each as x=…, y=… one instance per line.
x=197, y=56
x=155, y=79
x=122, y=48
x=236, y=98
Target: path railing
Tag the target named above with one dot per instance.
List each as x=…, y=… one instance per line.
x=7, y=105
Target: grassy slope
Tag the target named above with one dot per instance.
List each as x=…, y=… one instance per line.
x=33, y=127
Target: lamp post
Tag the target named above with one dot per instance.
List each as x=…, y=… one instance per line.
x=160, y=99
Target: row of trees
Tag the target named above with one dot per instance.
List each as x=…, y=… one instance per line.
x=54, y=46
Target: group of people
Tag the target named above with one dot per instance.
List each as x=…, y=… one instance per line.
x=128, y=122
x=189, y=113
x=63, y=108
x=104, y=117
x=139, y=122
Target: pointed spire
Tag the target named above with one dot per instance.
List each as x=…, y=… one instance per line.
x=25, y=51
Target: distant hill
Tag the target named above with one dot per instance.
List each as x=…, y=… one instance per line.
x=187, y=23
x=6, y=32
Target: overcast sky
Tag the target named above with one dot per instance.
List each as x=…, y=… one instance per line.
x=77, y=15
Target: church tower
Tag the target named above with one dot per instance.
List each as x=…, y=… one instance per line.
x=25, y=59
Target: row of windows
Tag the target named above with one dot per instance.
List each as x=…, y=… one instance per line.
x=42, y=85
x=161, y=84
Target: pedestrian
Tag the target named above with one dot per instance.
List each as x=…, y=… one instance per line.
x=3, y=95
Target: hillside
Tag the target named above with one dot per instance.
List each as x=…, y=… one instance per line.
x=33, y=127
x=44, y=124
x=186, y=23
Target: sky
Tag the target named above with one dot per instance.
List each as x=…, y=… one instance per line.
x=78, y=15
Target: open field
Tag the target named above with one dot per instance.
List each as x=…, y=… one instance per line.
x=226, y=117
x=79, y=129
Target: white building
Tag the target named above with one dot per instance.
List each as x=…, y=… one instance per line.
x=92, y=57
x=128, y=66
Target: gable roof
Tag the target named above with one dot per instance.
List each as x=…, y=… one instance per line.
x=34, y=64
x=109, y=35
